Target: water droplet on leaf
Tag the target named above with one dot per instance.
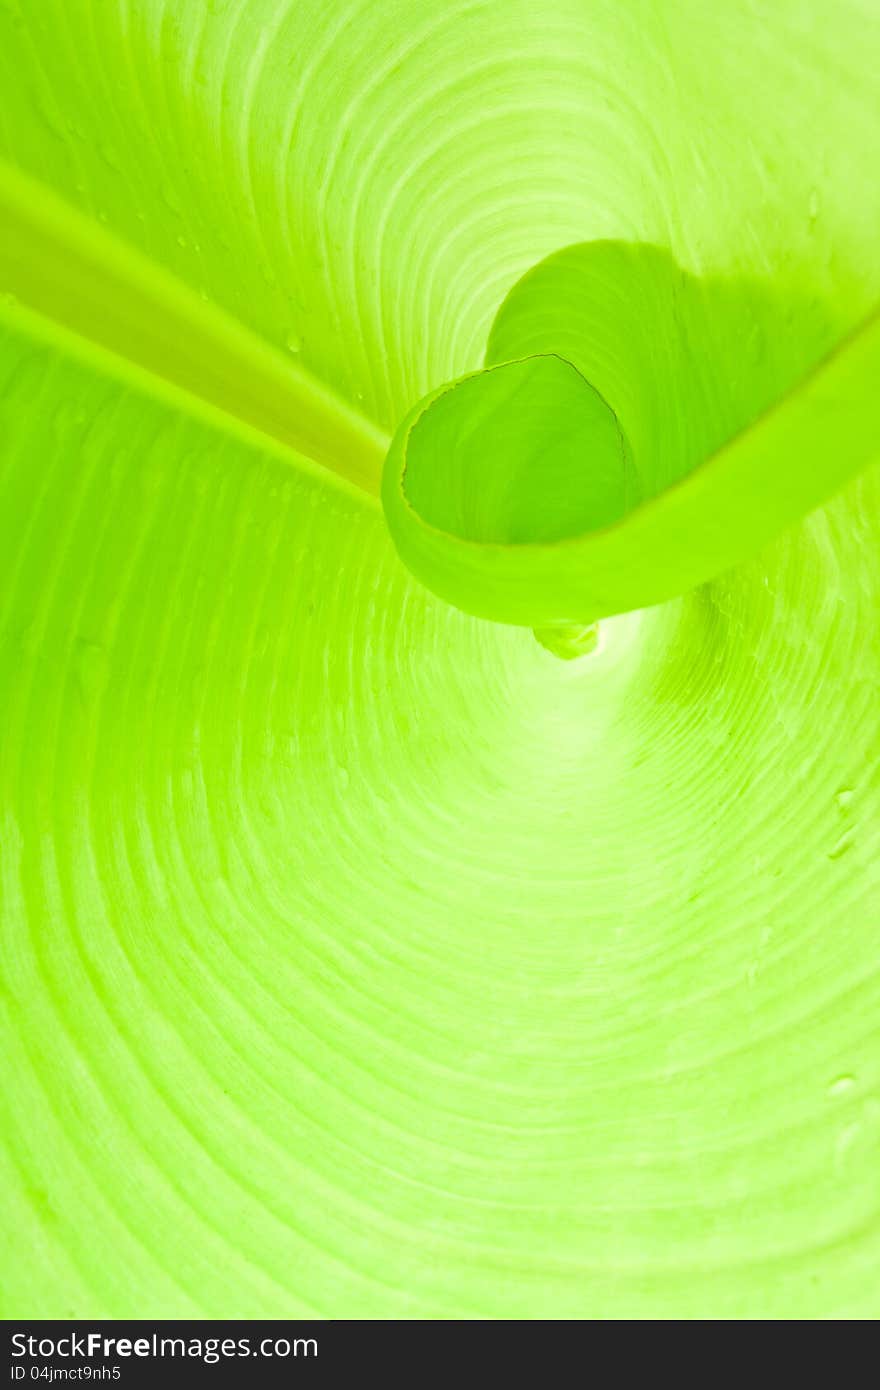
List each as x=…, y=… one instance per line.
x=842, y=1085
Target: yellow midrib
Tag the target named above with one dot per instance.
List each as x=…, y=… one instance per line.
x=69, y=269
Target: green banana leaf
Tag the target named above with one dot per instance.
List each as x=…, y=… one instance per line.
x=359, y=957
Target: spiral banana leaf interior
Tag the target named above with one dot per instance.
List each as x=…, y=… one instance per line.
x=359, y=956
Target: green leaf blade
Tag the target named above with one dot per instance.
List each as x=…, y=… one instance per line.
x=708, y=466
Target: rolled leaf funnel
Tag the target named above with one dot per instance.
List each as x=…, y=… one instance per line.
x=358, y=959
x=653, y=430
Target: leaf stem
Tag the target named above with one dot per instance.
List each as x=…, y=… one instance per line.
x=58, y=262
